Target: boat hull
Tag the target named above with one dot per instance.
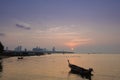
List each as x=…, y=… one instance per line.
x=80, y=70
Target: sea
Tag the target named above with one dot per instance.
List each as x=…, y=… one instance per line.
x=55, y=67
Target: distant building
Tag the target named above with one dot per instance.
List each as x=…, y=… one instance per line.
x=25, y=50
x=6, y=48
x=37, y=49
x=53, y=49
x=19, y=48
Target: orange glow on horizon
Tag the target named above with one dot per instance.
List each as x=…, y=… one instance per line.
x=71, y=44
x=75, y=42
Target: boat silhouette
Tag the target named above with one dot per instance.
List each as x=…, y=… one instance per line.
x=20, y=57
x=84, y=73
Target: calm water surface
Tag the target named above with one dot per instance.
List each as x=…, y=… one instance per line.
x=55, y=67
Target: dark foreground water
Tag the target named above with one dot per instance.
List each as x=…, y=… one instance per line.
x=55, y=67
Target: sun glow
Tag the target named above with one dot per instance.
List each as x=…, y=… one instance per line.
x=71, y=45
x=76, y=42
x=72, y=49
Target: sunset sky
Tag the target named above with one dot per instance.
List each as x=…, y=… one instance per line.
x=79, y=25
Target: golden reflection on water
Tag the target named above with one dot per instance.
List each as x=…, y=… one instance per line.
x=55, y=67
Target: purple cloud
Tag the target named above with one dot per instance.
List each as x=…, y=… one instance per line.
x=23, y=26
x=2, y=34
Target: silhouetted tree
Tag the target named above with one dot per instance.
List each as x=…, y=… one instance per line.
x=1, y=67
x=1, y=48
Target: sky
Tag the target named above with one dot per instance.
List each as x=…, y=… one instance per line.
x=78, y=25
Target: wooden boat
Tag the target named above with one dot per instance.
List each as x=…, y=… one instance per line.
x=21, y=57
x=79, y=70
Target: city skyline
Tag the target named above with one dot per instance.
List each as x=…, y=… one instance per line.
x=82, y=26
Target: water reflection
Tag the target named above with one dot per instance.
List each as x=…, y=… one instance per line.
x=55, y=67
x=89, y=77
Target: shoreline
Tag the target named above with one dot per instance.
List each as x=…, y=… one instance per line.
x=2, y=57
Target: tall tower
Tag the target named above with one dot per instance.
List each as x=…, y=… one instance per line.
x=53, y=49
x=6, y=48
